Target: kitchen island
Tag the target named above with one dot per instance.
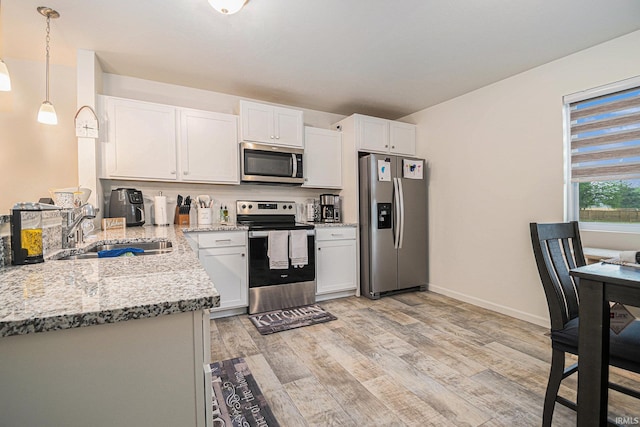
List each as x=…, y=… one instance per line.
x=110, y=341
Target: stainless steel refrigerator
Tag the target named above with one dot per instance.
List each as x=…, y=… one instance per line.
x=393, y=224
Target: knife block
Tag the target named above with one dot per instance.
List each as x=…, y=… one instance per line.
x=181, y=218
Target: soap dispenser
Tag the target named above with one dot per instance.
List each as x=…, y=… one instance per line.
x=26, y=234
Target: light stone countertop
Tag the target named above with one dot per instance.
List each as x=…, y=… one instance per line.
x=215, y=227
x=333, y=224
x=62, y=294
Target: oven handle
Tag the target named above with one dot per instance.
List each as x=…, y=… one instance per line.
x=265, y=233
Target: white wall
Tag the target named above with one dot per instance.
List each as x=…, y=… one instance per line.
x=36, y=157
x=163, y=93
x=496, y=164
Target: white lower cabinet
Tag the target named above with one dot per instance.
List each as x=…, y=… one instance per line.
x=224, y=257
x=336, y=260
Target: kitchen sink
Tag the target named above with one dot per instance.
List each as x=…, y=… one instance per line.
x=150, y=248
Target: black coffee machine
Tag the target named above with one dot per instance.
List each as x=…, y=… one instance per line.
x=127, y=203
x=329, y=211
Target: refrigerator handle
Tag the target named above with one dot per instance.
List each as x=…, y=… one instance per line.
x=401, y=212
x=396, y=214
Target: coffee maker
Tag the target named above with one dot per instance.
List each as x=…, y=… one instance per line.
x=128, y=204
x=329, y=211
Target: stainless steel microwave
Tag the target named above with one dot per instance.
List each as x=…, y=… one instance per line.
x=271, y=164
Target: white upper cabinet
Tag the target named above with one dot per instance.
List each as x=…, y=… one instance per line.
x=322, y=158
x=150, y=141
x=375, y=135
x=402, y=138
x=270, y=124
x=141, y=140
x=372, y=133
x=208, y=146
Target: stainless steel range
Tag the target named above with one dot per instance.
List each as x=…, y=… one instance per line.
x=285, y=285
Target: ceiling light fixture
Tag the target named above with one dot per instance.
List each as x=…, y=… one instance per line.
x=47, y=113
x=227, y=7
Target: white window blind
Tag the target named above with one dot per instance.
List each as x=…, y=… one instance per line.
x=605, y=137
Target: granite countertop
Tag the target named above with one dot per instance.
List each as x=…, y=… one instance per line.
x=235, y=227
x=333, y=224
x=62, y=294
x=215, y=227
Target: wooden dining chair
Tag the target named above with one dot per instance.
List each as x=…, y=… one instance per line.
x=557, y=248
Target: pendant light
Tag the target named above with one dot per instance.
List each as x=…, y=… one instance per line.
x=47, y=113
x=227, y=7
x=5, y=79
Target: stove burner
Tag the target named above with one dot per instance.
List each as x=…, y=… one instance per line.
x=269, y=215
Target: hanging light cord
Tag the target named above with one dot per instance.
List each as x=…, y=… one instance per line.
x=48, y=38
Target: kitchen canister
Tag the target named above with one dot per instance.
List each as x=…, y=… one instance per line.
x=160, y=210
x=205, y=216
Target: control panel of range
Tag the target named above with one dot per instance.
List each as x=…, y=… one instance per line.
x=254, y=207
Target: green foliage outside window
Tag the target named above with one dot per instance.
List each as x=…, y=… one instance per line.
x=609, y=201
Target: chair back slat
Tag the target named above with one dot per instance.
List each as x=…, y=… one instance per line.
x=558, y=249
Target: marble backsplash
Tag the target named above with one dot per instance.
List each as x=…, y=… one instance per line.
x=51, y=235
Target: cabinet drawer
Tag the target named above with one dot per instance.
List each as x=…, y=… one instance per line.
x=217, y=239
x=335, y=233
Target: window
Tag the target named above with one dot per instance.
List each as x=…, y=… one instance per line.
x=603, y=156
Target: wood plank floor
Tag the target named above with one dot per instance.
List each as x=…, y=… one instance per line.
x=414, y=359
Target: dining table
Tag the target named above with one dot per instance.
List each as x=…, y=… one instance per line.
x=600, y=283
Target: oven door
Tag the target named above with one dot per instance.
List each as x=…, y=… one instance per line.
x=260, y=275
x=264, y=163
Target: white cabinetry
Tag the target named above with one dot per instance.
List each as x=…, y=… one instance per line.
x=402, y=138
x=336, y=261
x=161, y=142
x=141, y=140
x=377, y=135
x=224, y=256
x=270, y=124
x=322, y=158
x=208, y=146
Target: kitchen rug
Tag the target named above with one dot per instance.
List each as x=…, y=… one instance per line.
x=290, y=318
x=237, y=399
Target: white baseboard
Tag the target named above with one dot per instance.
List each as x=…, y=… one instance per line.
x=531, y=318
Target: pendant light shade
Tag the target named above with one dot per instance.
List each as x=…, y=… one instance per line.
x=227, y=7
x=47, y=113
x=5, y=80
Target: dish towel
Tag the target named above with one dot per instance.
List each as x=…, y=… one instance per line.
x=298, y=251
x=277, y=246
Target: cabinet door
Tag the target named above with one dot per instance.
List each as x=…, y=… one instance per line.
x=288, y=127
x=209, y=147
x=256, y=122
x=227, y=268
x=402, y=138
x=322, y=158
x=372, y=134
x=336, y=266
x=141, y=140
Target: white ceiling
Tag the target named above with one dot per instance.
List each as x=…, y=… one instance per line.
x=383, y=58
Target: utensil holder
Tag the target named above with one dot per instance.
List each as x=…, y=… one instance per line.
x=205, y=216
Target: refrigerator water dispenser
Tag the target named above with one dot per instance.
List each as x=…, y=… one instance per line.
x=384, y=215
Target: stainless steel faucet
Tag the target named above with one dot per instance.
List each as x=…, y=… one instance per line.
x=71, y=230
